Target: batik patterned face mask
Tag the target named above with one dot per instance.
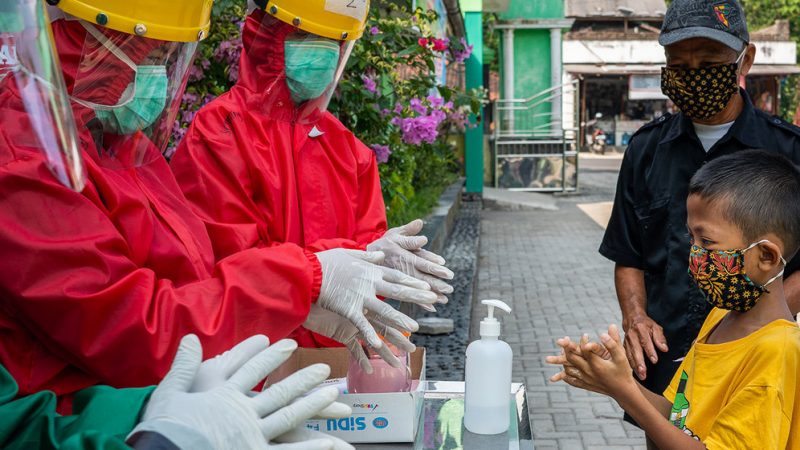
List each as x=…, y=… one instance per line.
x=721, y=277
x=703, y=92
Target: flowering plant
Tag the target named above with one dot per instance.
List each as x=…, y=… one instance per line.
x=215, y=68
x=390, y=98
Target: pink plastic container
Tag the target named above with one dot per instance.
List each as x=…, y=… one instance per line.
x=384, y=377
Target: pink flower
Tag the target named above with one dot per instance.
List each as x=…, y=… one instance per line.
x=195, y=74
x=369, y=84
x=417, y=130
x=187, y=116
x=423, y=42
x=459, y=119
x=435, y=101
x=417, y=106
x=440, y=45
x=462, y=54
x=374, y=30
x=382, y=152
x=189, y=98
x=208, y=98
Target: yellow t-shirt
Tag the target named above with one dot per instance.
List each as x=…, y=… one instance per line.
x=741, y=394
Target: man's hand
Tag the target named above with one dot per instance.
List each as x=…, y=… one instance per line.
x=642, y=336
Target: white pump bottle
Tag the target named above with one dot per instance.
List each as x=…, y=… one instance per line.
x=488, y=378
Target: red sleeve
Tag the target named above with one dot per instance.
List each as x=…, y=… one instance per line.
x=67, y=276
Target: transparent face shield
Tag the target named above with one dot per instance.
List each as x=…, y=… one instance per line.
x=30, y=68
x=307, y=68
x=133, y=85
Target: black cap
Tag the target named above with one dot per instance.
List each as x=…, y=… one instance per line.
x=720, y=20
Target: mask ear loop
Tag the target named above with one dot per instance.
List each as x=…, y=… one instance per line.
x=116, y=51
x=740, y=59
x=783, y=261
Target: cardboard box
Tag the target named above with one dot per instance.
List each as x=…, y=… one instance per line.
x=384, y=418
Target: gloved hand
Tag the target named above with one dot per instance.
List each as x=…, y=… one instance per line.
x=225, y=417
x=351, y=282
x=214, y=372
x=340, y=329
x=403, y=249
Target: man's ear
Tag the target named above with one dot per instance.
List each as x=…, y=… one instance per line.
x=748, y=60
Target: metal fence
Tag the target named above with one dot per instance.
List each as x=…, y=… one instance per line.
x=536, y=142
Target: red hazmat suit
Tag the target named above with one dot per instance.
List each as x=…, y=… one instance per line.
x=100, y=286
x=258, y=177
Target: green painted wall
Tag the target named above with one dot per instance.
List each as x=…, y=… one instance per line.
x=534, y=9
x=531, y=57
x=532, y=72
x=473, y=138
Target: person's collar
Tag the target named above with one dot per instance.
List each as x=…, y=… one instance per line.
x=744, y=128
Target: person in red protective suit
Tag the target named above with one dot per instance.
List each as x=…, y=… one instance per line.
x=100, y=285
x=266, y=163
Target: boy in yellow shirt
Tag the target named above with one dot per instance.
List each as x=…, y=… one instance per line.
x=737, y=386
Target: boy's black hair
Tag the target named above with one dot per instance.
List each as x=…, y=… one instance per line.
x=761, y=190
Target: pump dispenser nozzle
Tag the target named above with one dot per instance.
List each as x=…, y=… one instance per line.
x=490, y=326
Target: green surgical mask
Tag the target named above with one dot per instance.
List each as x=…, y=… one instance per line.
x=149, y=98
x=145, y=97
x=310, y=66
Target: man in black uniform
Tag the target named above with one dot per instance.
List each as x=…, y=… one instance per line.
x=708, y=49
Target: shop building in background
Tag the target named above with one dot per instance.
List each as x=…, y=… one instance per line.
x=612, y=52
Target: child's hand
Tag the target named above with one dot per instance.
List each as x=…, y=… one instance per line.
x=566, y=345
x=585, y=367
x=569, y=370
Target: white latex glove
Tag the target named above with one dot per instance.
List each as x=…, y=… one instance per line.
x=351, y=282
x=226, y=417
x=340, y=329
x=214, y=372
x=403, y=249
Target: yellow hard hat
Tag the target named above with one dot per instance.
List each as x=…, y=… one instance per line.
x=336, y=19
x=170, y=20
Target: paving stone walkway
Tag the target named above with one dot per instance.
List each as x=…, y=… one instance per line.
x=546, y=266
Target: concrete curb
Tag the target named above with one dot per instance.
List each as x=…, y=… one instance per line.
x=440, y=221
x=505, y=200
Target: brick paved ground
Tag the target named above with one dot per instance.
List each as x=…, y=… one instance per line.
x=546, y=266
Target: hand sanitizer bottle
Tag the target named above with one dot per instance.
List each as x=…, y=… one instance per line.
x=487, y=393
